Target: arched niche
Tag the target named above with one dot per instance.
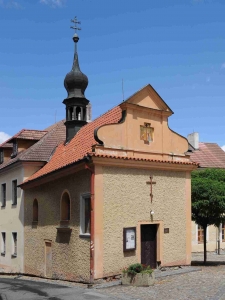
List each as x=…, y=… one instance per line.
x=65, y=207
x=35, y=210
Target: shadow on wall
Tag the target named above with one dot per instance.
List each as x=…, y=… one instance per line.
x=63, y=237
x=129, y=253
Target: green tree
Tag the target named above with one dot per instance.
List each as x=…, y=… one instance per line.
x=208, y=199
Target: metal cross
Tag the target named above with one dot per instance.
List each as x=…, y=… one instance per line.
x=75, y=26
x=151, y=183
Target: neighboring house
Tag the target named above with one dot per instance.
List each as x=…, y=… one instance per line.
x=20, y=157
x=118, y=191
x=207, y=155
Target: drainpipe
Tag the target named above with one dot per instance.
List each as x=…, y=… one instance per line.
x=92, y=226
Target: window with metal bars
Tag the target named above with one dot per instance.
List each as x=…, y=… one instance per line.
x=14, y=236
x=3, y=247
x=85, y=214
x=1, y=156
x=3, y=194
x=14, y=192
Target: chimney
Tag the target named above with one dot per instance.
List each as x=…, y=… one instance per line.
x=193, y=139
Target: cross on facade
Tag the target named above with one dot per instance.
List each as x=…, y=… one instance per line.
x=75, y=26
x=151, y=183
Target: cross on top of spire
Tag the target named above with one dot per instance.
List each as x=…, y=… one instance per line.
x=76, y=22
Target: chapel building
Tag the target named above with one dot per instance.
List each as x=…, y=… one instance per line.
x=117, y=191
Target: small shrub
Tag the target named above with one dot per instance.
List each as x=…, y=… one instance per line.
x=137, y=268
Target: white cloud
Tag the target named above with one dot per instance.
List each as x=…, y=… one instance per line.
x=3, y=137
x=10, y=4
x=223, y=147
x=208, y=79
x=53, y=3
x=223, y=66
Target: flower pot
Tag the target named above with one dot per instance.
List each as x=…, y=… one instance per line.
x=140, y=279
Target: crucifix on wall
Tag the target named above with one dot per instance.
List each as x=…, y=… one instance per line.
x=151, y=183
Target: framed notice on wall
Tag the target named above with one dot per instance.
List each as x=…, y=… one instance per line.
x=129, y=239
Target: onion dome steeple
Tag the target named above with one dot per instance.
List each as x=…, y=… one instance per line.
x=75, y=83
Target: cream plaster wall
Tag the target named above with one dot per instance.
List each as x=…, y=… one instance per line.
x=70, y=253
x=212, y=237
x=12, y=218
x=121, y=210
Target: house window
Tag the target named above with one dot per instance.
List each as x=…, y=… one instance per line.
x=15, y=149
x=223, y=231
x=3, y=248
x=14, y=192
x=3, y=194
x=14, y=237
x=65, y=207
x=200, y=234
x=1, y=156
x=85, y=214
x=35, y=210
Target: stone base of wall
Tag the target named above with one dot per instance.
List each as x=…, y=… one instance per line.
x=176, y=263
x=56, y=275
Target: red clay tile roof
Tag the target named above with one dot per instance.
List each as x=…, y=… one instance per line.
x=144, y=159
x=79, y=146
x=44, y=148
x=209, y=155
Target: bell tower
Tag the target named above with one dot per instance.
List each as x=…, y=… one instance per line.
x=76, y=103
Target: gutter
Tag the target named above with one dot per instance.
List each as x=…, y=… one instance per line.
x=92, y=249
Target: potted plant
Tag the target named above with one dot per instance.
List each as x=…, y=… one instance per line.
x=138, y=275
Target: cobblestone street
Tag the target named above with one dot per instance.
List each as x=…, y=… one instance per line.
x=197, y=282
x=208, y=283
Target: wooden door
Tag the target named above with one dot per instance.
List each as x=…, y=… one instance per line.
x=148, y=245
x=48, y=259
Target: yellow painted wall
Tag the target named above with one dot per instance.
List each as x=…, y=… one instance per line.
x=127, y=202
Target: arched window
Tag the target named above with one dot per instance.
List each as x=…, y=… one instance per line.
x=71, y=114
x=65, y=207
x=35, y=210
x=78, y=113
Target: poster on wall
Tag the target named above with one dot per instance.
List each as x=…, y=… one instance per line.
x=129, y=238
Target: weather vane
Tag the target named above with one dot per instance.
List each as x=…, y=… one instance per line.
x=76, y=22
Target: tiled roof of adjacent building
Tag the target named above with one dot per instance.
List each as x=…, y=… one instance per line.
x=209, y=155
x=6, y=145
x=26, y=134
x=44, y=148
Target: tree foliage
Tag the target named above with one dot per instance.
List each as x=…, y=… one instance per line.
x=208, y=196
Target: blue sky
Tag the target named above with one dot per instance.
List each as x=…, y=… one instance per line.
x=177, y=46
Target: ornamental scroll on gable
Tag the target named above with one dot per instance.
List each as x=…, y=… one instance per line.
x=146, y=132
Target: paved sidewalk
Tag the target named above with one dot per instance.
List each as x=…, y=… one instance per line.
x=206, y=284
